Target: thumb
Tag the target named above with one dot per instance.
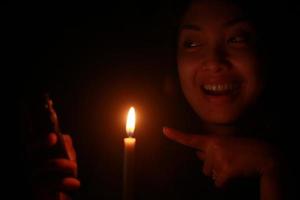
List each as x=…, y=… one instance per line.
x=69, y=147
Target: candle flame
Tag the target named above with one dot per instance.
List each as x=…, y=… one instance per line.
x=130, y=125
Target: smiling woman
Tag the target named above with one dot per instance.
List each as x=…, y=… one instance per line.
x=219, y=66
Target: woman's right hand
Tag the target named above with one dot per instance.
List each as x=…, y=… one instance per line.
x=55, y=177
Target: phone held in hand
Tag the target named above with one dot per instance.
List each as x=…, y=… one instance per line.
x=59, y=150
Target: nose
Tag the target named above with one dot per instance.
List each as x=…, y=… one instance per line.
x=215, y=59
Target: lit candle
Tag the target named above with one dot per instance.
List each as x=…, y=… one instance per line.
x=129, y=145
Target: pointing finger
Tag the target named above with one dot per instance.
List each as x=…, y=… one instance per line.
x=191, y=140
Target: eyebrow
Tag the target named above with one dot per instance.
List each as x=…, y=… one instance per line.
x=237, y=21
x=190, y=27
x=227, y=24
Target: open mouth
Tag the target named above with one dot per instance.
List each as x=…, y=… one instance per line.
x=225, y=89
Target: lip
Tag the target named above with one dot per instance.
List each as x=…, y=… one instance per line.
x=221, y=92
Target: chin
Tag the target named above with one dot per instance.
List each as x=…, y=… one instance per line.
x=221, y=117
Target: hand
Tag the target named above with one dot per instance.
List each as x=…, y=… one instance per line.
x=55, y=176
x=227, y=157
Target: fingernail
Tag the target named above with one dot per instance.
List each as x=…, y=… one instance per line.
x=165, y=129
x=52, y=139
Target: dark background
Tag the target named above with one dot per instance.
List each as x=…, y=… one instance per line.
x=97, y=60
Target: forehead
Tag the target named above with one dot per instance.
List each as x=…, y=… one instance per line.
x=214, y=12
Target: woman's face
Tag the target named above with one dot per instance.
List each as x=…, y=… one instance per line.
x=218, y=63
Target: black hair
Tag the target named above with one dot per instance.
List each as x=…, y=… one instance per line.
x=272, y=21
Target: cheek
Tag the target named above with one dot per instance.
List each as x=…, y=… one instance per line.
x=246, y=61
x=188, y=61
x=249, y=67
x=187, y=69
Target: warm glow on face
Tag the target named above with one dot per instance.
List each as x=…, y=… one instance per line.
x=130, y=125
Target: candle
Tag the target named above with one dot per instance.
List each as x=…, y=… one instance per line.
x=129, y=145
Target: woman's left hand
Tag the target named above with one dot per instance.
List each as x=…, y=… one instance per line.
x=227, y=157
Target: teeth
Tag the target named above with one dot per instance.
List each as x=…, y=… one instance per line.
x=219, y=87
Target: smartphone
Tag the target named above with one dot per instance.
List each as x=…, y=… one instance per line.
x=59, y=150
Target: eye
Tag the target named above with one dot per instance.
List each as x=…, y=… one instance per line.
x=191, y=44
x=238, y=39
x=241, y=39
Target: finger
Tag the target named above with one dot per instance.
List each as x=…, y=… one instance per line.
x=207, y=167
x=191, y=140
x=64, y=196
x=209, y=163
x=69, y=147
x=58, y=184
x=69, y=184
x=220, y=180
x=200, y=155
x=61, y=167
x=51, y=140
x=44, y=143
